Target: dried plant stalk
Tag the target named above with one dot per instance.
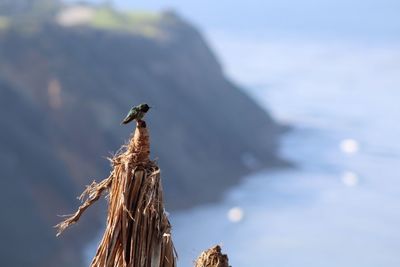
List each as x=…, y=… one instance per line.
x=138, y=232
x=212, y=257
x=93, y=193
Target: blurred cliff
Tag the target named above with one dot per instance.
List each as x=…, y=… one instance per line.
x=68, y=75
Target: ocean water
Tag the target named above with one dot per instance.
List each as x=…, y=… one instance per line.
x=340, y=205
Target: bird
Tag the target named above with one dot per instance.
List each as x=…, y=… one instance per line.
x=136, y=113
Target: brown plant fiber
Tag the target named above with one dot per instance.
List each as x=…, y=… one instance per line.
x=138, y=233
x=212, y=257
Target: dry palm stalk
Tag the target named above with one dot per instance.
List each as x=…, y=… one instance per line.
x=138, y=233
x=212, y=257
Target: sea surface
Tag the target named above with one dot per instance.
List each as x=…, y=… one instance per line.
x=340, y=205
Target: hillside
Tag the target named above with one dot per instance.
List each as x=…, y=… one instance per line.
x=65, y=85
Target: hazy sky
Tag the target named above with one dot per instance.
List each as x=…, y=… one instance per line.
x=365, y=19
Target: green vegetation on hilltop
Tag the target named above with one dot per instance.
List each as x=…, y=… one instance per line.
x=27, y=17
x=140, y=22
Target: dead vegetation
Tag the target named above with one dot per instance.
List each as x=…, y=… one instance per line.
x=138, y=232
x=212, y=257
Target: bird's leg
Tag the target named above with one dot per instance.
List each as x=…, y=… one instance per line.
x=141, y=124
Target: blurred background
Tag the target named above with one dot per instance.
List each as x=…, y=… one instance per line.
x=274, y=125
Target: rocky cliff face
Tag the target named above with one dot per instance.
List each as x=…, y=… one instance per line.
x=64, y=91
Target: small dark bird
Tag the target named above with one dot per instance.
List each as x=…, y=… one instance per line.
x=136, y=113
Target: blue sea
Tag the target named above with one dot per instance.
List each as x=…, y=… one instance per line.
x=340, y=205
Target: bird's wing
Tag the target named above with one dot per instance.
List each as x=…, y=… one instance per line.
x=131, y=115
